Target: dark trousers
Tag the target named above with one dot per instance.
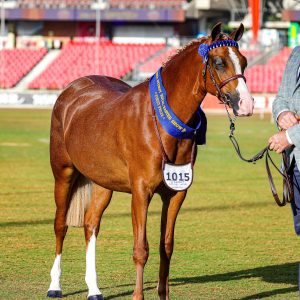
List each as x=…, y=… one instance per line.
x=296, y=203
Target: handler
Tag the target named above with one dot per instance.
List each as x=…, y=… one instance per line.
x=286, y=107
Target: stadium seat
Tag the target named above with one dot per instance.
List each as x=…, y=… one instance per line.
x=79, y=59
x=155, y=63
x=266, y=78
x=16, y=63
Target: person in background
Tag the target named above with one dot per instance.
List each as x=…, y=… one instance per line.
x=286, y=108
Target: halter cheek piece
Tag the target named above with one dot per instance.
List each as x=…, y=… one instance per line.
x=203, y=51
x=288, y=194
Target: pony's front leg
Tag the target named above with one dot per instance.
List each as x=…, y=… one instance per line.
x=139, y=207
x=172, y=202
x=100, y=200
x=55, y=287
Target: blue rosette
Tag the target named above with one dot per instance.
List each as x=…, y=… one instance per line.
x=204, y=49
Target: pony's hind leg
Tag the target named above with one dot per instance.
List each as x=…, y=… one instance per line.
x=140, y=203
x=172, y=202
x=99, y=201
x=63, y=184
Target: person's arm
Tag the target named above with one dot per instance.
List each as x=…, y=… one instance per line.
x=280, y=104
x=285, y=119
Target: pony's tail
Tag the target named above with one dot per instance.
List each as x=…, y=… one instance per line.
x=79, y=201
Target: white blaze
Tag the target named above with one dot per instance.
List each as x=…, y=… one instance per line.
x=241, y=87
x=55, y=275
x=91, y=275
x=246, y=100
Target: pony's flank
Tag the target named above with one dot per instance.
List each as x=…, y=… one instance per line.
x=80, y=199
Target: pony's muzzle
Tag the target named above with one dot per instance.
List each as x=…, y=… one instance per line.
x=245, y=107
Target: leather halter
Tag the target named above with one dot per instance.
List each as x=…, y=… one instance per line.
x=219, y=94
x=224, y=82
x=203, y=51
x=288, y=195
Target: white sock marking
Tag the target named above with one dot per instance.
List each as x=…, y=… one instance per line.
x=91, y=275
x=55, y=275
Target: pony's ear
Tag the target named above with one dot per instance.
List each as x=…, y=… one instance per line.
x=237, y=34
x=216, y=31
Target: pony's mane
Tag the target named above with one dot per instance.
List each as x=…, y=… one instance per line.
x=221, y=36
x=183, y=48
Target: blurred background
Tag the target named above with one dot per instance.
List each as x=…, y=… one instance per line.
x=45, y=44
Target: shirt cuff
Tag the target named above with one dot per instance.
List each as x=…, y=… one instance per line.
x=280, y=113
x=288, y=138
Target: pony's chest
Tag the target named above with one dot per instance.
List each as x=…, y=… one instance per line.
x=181, y=152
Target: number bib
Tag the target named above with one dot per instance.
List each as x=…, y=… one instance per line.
x=178, y=177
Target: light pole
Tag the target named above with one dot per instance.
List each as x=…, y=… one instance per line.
x=2, y=25
x=2, y=33
x=100, y=5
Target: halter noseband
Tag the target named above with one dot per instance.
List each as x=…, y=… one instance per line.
x=203, y=51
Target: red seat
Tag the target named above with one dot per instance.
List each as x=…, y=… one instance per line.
x=15, y=63
x=78, y=59
x=266, y=78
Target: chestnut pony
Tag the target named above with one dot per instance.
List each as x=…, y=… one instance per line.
x=103, y=139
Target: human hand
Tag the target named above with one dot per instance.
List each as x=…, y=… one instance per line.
x=286, y=120
x=278, y=142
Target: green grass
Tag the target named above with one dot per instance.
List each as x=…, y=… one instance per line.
x=232, y=241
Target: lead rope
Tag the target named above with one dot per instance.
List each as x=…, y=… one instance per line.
x=287, y=184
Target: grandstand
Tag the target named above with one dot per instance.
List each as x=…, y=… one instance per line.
x=149, y=67
x=78, y=59
x=266, y=78
x=49, y=43
x=16, y=63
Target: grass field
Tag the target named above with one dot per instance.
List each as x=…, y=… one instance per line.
x=232, y=241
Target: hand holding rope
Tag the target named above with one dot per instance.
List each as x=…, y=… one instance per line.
x=288, y=194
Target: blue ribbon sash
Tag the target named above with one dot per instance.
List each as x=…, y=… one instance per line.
x=167, y=118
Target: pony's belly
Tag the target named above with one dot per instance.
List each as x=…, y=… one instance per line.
x=109, y=173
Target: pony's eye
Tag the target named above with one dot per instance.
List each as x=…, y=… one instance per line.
x=218, y=62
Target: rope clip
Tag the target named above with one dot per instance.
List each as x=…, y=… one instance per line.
x=232, y=128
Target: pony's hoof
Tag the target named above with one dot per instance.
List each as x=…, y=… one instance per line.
x=54, y=294
x=95, y=297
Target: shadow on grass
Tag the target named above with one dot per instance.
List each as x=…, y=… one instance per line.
x=26, y=223
x=279, y=274
x=199, y=209
x=75, y=293
x=122, y=294
x=128, y=293
x=276, y=274
x=150, y=213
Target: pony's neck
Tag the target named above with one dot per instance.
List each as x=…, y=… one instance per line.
x=183, y=81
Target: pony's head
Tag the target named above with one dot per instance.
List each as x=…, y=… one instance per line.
x=224, y=69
